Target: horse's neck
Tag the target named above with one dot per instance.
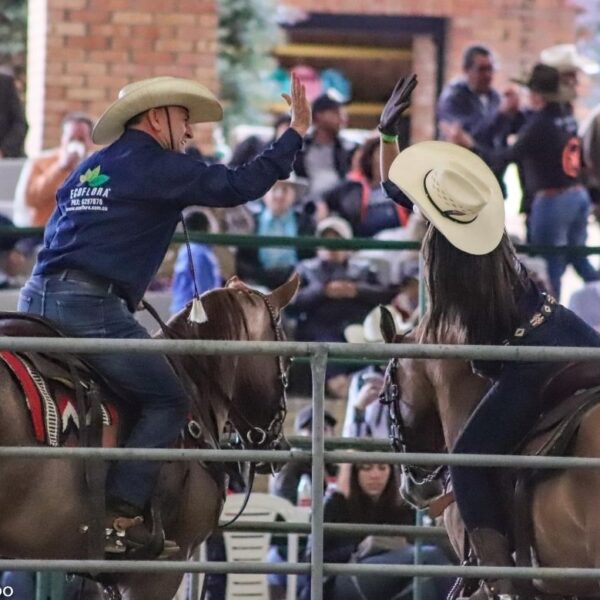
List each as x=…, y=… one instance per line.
x=210, y=403
x=458, y=391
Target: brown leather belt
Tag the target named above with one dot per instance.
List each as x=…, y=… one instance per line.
x=94, y=281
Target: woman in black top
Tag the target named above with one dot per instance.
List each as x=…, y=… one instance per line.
x=370, y=495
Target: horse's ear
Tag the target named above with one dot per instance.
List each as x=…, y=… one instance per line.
x=285, y=293
x=236, y=283
x=387, y=325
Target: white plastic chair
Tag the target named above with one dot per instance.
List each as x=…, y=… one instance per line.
x=253, y=547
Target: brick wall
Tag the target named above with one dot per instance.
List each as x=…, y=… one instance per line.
x=94, y=47
x=515, y=29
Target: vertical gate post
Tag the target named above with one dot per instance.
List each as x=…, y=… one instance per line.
x=318, y=365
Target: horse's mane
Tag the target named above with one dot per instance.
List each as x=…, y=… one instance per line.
x=226, y=321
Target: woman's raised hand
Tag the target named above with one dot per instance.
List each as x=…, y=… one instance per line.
x=300, y=107
x=398, y=102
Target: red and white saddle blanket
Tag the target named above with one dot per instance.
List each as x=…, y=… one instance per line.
x=53, y=407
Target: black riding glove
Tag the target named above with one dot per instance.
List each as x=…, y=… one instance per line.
x=398, y=102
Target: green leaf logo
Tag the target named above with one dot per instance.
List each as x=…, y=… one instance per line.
x=93, y=177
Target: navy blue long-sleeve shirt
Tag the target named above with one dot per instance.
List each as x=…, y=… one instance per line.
x=117, y=212
x=547, y=149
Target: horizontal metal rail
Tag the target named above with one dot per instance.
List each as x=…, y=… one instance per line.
x=103, y=345
x=134, y=566
x=282, y=456
x=285, y=527
x=253, y=241
x=343, y=443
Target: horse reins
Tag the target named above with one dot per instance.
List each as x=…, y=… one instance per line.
x=256, y=436
x=391, y=397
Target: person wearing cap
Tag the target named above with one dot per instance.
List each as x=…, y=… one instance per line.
x=365, y=416
x=285, y=482
x=549, y=151
x=570, y=63
x=114, y=219
x=206, y=272
x=326, y=156
x=481, y=294
x=281, y=214
x=336, y=289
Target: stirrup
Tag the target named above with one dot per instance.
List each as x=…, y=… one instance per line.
x=127, y=537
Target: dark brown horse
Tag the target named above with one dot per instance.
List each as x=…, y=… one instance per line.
x=436, y=399
x=41, y=502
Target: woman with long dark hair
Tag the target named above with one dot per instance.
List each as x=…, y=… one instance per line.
x=369, y=494
x=479, y=293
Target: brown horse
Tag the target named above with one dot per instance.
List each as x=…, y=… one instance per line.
x=436, y=399
x=42, y=505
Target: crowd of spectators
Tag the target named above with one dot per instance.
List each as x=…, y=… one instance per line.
x=334, y=194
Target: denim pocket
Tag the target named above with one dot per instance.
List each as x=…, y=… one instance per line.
x=82, y=316
x=24, y=303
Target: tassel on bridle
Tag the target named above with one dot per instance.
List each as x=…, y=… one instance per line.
x=197, y=312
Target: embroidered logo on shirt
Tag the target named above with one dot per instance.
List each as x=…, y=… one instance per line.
x=93, y=177
x=89, y=193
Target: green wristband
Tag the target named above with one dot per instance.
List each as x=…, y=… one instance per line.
x=386, y=138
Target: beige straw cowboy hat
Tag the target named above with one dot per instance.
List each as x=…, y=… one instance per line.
x=143, y=95
x=565, y=57
x=455, y=190
x=370, y=329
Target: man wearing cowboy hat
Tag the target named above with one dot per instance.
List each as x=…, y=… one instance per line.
x=549, y=152
x=114, y=219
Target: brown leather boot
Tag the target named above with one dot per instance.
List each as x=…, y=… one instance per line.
x=492, y=550
x=125, y=532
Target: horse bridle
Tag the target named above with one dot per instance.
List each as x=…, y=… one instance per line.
x=269, y=438
x=391, y=397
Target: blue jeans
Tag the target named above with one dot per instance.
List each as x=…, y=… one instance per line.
x=373, y=586
x=147, y=381
x=505, y=415
x=561, y=220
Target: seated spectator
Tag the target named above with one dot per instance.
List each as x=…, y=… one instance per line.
x=401, y=262
x=371, y=496
x=280, y=215
x=335, y=291
x=35, y=196
x=361, y=200
x=285, y=483
x=205, y=265
x=326, y=155
x=365, y=416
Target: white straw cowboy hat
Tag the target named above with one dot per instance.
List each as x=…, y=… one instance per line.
x=370, y=331
x=143, y=95
x=455, y=190
x=565, y=57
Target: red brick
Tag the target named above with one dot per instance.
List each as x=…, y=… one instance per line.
x=86, y=93
x=149, y=58
x=146, y=31
x=88, y=16
x=73, y=4
x=132, y=18
x=68, y=28
x=87, y=68
x=174, y=45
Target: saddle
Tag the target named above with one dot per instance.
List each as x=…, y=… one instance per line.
x=569, y=395
x=70, y=403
